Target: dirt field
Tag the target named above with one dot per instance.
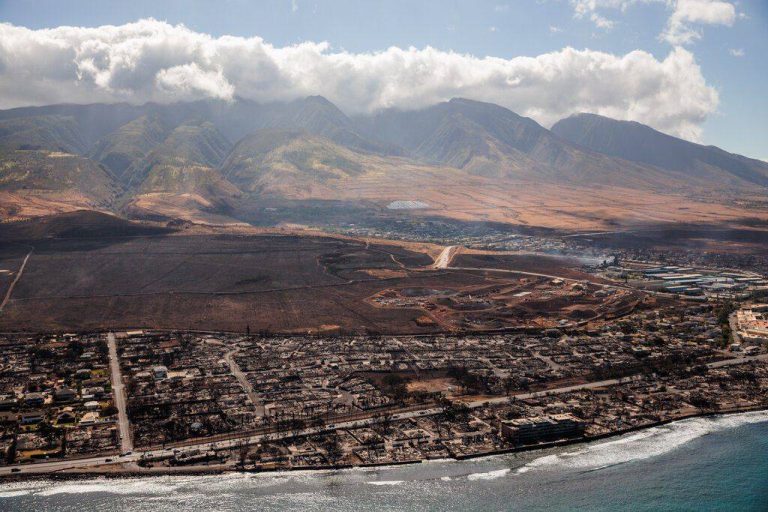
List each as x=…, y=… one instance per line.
x=283, y=283
x=748, y=236
x=460, y=196
x=561, y=266
x=511, y=302
x=221, y=282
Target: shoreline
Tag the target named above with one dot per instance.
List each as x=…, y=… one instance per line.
x=74, y=474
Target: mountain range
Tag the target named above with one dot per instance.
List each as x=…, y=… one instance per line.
x=464, y=158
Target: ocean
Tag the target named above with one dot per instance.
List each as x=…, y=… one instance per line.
x=701, y=464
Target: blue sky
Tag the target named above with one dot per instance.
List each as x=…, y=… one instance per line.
x=731, y=56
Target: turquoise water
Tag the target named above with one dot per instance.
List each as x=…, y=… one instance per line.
x=694, y=465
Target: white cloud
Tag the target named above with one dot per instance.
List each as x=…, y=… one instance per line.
x=294, y=6
x=153, y=61
x=555, y=29
x=601, y=22
x=682, y=25
x=687, y=14
x=189, y=82
x=492, y=29
x=737, y=52
x=583, y=7
x=590, y=9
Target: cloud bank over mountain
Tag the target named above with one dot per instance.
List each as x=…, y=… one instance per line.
x=150, y=60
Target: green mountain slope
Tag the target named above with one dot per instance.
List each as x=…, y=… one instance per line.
x=274, y=159
x=186, y=146
x=52, y=133
x=205, y=182
x=129, y=143
x=56, y=171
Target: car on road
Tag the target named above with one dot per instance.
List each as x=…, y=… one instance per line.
x=15, y=470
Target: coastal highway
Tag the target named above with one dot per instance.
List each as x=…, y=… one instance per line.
x=235, y=443
x=54, y=466
x=61, y=465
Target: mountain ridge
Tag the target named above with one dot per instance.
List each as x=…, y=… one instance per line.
x=216, y=156
x=637, y=142
x=486, y=139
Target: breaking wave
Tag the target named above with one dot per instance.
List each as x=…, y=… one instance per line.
x=275, y=486
x=641, y=445
x=13, y=494
x=162, y=486
x=489, y=475
x=386, y=482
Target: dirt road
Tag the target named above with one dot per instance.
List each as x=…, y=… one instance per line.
x=445, y=257
x=15, y=280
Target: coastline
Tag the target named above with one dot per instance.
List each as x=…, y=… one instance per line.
x=112, y=471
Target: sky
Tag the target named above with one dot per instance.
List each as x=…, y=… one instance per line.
x=697, y=69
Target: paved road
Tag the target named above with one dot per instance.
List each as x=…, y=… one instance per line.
x=607, y=382
x=118, y=391
x=50, y=467
x=554, y=391
x=15, y=280
x=229, y=357
x=566, y=279
x=234, y=443
x=738, y=360
x=734, y=325
x=510, y=271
